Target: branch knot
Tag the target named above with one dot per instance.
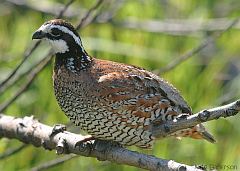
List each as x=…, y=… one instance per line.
x=62, y=147
x=204, y=115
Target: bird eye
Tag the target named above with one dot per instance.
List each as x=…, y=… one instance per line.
x=55, y=33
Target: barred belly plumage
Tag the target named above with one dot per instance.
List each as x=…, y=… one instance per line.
x=98, y=121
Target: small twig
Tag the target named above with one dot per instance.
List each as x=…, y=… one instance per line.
x=30, y=79
x=195, y=50
x=176, y=27
x=87, y=15
x=61, y=13
x=13, y=81
x=50, y=8
x=13, y=151
x=108, y=15
x=54, y=162
x=26, y=56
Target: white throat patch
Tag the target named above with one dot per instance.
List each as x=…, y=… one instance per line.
x=59, y=46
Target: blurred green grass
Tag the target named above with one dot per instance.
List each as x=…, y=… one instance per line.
x=201, y=80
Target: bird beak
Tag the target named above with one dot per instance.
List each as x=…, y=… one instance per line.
x=39, y=34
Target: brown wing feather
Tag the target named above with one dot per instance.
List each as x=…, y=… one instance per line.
x=123, y=82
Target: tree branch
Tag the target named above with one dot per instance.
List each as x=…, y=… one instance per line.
x=54, y=162
x=195, y=50
x=12, y=151
x=31, y=76
x=29, y=130
x=181, y=27
x=84, y=21
x=49, y=8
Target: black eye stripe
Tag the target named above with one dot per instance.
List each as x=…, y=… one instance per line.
x=64, y=36
x=56, y=32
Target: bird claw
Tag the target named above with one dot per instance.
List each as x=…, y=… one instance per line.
x=86, y=139
x=182, y=116
x=57, y=128
x=82, y=144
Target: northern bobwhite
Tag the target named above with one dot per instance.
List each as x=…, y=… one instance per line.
x=110, y=100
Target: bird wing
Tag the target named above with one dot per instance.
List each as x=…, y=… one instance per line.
x=133, y=92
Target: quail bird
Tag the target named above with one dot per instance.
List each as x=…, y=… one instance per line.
x=110, y=100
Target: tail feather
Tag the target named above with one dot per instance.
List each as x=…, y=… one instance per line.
x=197, y=132
x=204, y=133
x=207, y=136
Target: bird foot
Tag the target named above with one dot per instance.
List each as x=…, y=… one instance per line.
x=182, y=116
x=57, y=128
x=86, y=141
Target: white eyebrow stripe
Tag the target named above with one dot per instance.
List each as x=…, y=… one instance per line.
x=66, y=30
x=47, y=28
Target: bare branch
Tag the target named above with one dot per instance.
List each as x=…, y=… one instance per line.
x=84, y=20
x=195, y=50
x=54, y=162
x=19, y=77
x=12, y=151
x=26, y=56
x=48, y=7
x=182, y=27
x=163, y=130
x=53, y=8
x=29, y=130
x=61, y=13
x=109, y=13
x=24, y=87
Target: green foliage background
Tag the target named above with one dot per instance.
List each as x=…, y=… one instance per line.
x=208, y=79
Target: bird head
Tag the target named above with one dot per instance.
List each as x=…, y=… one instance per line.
x=61, y=35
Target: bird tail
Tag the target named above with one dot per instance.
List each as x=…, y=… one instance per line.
x=197, y=132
